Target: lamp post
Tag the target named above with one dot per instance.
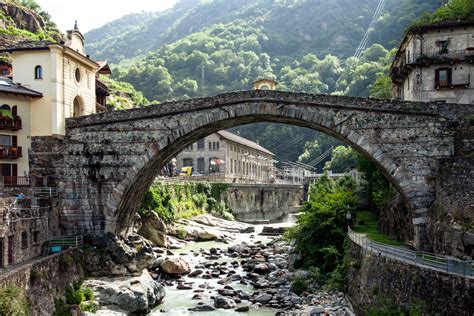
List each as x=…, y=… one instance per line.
x=349, y=218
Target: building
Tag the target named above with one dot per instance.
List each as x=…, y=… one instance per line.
x=265, y=84
x=434, y=63
x=230, y=157
x=50, y=83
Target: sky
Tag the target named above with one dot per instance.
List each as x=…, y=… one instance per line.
x=91, y=14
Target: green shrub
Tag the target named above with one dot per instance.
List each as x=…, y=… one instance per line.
x=88, y=307
x=13, y=302
x=299, y=285
x=88, y=294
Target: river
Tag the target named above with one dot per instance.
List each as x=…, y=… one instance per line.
x=177, y=302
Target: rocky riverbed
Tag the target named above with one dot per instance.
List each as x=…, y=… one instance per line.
x=238, y=272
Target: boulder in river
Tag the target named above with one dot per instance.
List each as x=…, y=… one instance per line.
x=154, y=229
x=134, y=295
x=176, y=266
x=223, y=302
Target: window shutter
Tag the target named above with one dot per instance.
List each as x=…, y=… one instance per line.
x=14, y=141
x=436, y=78
x=14, y=170
x=450, y=76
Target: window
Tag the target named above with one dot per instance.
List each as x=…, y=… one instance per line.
x=36, y=237
x=214, y=165
x=24, y=240
x=5, y=140
x=189, y=148
x=5, y=72
x=201, y=166
x=15, y=110
x=187, y=162
x=210, y=145
x=77, y=110
x=200, y=144
x=443, y=77
x=443, y=47
x=77, y=75
x=38, y=72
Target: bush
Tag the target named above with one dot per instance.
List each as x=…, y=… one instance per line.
x=13, y=301
x=299, y=285
x=321, y=229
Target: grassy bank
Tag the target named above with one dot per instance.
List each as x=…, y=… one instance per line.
x=366, y=223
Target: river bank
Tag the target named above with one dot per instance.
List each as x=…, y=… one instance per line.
x=240, y=271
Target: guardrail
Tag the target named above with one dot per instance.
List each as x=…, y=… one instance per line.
x=66, y=241
x=45, y=191
x=446, y=264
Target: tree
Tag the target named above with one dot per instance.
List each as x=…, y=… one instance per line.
x=343, y=160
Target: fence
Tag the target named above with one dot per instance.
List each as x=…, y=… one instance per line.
x=418, y=258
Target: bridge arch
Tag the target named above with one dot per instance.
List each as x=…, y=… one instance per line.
x=113, y=157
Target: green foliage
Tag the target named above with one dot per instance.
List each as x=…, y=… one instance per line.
x=299, y=285
x=382, y=87
x=321, y=229
x=75, y=295
x=184, y=200
x=343, y=159
x=367, y=222
x=385, y=306
x=376, y=185
x=454, y=10
x=13, y=301
x=123, y=95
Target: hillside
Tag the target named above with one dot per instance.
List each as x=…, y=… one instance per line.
x=292, y=27
x=25, y=20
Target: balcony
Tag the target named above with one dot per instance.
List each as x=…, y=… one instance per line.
x=10, y=123
x=448, y=57
x=9, y=181
x=10, y=152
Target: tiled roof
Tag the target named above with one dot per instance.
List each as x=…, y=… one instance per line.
x=28, y=45
x=243, y=141
x=8, y=86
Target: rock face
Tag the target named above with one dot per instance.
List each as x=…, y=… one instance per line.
x=395, y=220
x=113, y=256
x=154, y=229
x=135, y=295
x=175, y=266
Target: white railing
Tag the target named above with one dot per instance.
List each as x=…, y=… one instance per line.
x=446, y=264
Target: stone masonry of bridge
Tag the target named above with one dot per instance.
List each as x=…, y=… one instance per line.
x=107, y=161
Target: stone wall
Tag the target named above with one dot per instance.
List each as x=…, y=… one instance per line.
x=372, y=278
x=45, y=279
x=452, y=217
x=251, y=202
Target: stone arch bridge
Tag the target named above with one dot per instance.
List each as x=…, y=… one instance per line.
x=109, y=160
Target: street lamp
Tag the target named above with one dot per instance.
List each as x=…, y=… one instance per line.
x=349, y=218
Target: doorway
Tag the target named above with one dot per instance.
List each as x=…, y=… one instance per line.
x=2, y=251
x=10, y=249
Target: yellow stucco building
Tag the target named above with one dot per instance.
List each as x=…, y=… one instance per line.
x=50, y=82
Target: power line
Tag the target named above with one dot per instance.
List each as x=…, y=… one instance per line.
x=363, y=43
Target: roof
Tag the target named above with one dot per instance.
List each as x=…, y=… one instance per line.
x=8, y=86
x=264, y=80
x=243, y=141
x=104, y=68
x=28, y=45
x=442, y=24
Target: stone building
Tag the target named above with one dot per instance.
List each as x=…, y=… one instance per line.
x=23, y=230
x=230, y=157
x=50, y=82
x=434, y=63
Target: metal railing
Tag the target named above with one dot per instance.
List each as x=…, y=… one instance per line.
x=45, y=191
x=446, y=264
x=436, y=56
x=13, y=124
x=66, y=241
x=9, y=181
x=11, y=152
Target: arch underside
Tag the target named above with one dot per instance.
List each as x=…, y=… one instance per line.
x=133, y=188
